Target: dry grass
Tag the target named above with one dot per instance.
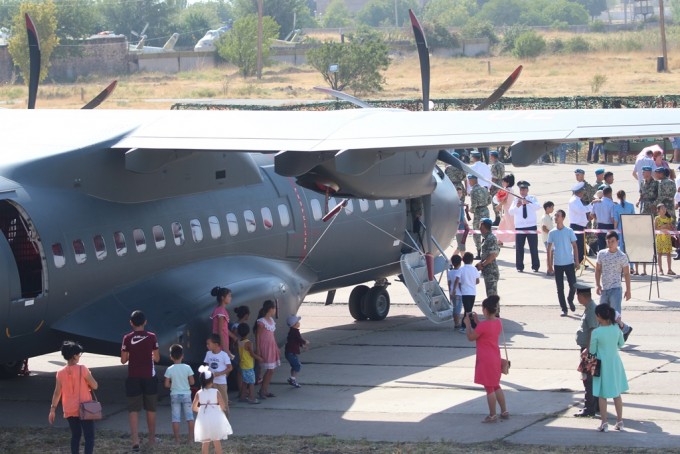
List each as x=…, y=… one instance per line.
x=632, y=73
x=51, y=440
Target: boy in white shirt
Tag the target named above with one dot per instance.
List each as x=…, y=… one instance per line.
x=220, y=366
x=469, y=278
x=455, y=295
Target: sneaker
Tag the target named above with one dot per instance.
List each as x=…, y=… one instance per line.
x=572, y=307
x=293, y=382
x=461, y=329
x=564, y=314
x=625, y=335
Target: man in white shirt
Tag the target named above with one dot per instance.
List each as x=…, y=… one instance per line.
x=524, y=211
x=578, y=217
x=640, y=162
x=482, y=169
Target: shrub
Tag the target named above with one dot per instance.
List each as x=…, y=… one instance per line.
x=577, y=45
x=439, y=36
x=555, y=46
x=598, y=27
x=510, y=37
x=597, y=82
x=476, y=28
x=529, y=45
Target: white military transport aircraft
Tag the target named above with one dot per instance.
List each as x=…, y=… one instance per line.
x=103, y=212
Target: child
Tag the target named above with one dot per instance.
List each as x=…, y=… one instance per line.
x=663, y=222
x=547, y=222
x=453, y=276
x=469, y=278
x=267, y=347
x=220, y=366
x=247, y=365
x=293, y=345
x=243, y=314
x=179, y=378
x=211, y=423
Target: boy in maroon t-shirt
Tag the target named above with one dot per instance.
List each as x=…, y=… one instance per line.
x=140, y=349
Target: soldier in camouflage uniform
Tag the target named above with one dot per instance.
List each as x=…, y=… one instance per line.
x=479, y=205
x=588, y=189
x=487, y=265
x=666, y=192
x=456, y=175
x=649, y=191
x=497, y=174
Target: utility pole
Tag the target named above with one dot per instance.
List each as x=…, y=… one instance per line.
x=259, y=39
x=662, y=27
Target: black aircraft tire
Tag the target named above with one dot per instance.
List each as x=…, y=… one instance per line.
x=377, y=303
x=356, y=299
x=11, y=369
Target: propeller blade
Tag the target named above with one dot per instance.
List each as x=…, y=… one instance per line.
x=457, y=163
x=344, y=96
x=101, y=97
x=500, y=91
x=34, y=61
x=424, y=56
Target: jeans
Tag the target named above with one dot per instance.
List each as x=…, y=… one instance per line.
x=532, y=239
x=613, y=297
x=81, y=427
x=594, y=154
x=560, y=271
x=580, y=240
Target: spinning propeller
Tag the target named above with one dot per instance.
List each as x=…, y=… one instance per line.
x=34, y=70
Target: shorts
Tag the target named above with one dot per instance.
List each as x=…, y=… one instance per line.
x=141, y=392
x=294, y=361
x=676, y=142
x=458, y=305
x=181, y=403
x=248, y=376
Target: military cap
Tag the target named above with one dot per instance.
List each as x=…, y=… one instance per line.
x=659, y=169
x=493, y=153
x=523, y=184
x=602, y=187
x=648, y=168
x=475, y=153
x=599, y=171
x=581, y=171
x=486, y=221
x=582, y=287
x=471, y=176
x=578, y=186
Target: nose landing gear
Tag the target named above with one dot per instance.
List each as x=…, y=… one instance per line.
x=370, y=303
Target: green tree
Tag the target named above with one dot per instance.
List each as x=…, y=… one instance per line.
x=566, y=11
x=594, y=7
x=477, y=28
x=8, y=9
x=284, y=12
x=529, y=45
x=510, y=37
x=337, y=15
x=359, y=62
x=675, y=10
x=44, y=16
x=449, y=13
x=239, y=45
x=503, y=12
x=77, y=19
x=377, y=13
x=124, y=17
x=198, y=18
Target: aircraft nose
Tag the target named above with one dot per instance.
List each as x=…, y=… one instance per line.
x=445, y=210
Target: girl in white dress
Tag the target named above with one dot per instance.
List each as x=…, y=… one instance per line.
x=211, y=422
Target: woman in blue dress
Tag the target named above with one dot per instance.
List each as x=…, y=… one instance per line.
x=605, y=342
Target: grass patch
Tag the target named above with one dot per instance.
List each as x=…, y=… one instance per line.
x=52, y=440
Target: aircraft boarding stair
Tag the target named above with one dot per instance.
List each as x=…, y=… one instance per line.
x=427, y=294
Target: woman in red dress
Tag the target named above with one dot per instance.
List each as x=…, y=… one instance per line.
x=488, y=365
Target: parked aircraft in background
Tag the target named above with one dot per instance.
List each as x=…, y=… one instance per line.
x=142, y=48
x=103, y=212
x=207, y=43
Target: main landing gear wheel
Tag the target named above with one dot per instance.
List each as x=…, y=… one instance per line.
x=11, y=369
x=376, y=304
x=355, y=302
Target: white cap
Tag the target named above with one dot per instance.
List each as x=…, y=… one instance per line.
x=292, y=320
x=578, y=186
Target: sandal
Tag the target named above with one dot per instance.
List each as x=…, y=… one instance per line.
x=670, y=273
x=505, y=415
x=490, y=419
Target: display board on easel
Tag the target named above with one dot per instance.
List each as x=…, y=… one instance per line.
x=639, y=239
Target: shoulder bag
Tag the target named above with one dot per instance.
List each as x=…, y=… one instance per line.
x=92, y=409
x=505, y=362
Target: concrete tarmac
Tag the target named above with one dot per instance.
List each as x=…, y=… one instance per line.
x=407, y=379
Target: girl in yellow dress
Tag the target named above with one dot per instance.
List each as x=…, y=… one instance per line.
x=663, y=222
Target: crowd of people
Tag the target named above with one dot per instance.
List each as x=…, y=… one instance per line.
x=228, y=348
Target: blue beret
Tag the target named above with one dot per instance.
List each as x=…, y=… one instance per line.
x=471, y=176
x=581, y=171
x=647, y=168
x=486, y=221
x=599, y=171
x=493, y=153
x=659, y=169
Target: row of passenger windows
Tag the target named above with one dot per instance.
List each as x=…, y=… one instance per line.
x=177, y=232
